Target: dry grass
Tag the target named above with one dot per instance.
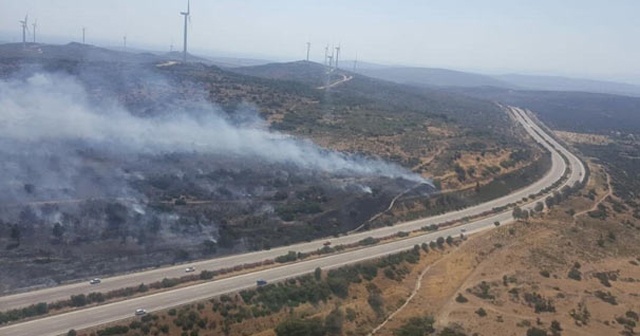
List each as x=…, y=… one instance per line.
x=523, y=253
x=584, y=138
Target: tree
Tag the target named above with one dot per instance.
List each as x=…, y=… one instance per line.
x=449, y=240
x=496, y=223
x=555, y=326
x=318, y=274
x=461, y=299
x=333, y=322
x=440, y=241
x=78, y=300
x=416, y=326
x=539, y=207
x=58, y=230
x=481, y=312
x=16, y=233
x=549, y=201
x=517, y=213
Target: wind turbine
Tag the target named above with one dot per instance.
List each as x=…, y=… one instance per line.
x=355, y=63
x=35, y=24
x=124, y=39
x=187, y=17
x=308, y=48
x=337, y=55
x=83, y=34
x=25, y=28
x=326, y=55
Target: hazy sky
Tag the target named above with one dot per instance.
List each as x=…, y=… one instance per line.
x=588, y=38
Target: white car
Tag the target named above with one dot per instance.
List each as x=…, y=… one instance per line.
x=190, y=269
x=141, y=311
x=95, y=281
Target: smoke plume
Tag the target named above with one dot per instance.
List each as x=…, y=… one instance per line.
x=47, y=114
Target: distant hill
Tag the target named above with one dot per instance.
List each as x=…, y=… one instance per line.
x=555, y=83
x=177, y=56
x=431, y=77
x=235, y=62
x=301, y=71
x=571, y=111
x=73, y=52
x=439, y=78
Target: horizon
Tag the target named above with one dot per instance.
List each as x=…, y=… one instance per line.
x=211, y=55
x=578, y=40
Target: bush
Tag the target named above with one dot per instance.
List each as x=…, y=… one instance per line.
x=369, y=241
x=416, y=326
x=115, y=330
x=351, y=314
x=575, y=274
x=481, y=312
x=461, y=299
x=206, y=275
x=289, y=257
x=533, y=331
x=606, y=297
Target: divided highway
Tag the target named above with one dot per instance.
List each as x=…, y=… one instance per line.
x=84, y=318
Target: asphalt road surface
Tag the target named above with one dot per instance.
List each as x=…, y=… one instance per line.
x=84, y=318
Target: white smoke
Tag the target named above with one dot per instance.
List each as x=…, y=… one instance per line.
x=48, y=108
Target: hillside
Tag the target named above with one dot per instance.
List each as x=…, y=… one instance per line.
x=562, y=271
x=572, y=111
x=444, y=78
x=432, y=77
x=557, y=83
x=132, y=160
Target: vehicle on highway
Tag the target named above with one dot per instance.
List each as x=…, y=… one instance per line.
x=141, y=311
x=190, y=269
x=261, y=282
x=463, y=230
x=327, y=243
x=95, y=281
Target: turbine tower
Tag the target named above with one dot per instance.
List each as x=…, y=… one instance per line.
x=187, y=17
x=326, y=55
x=308, y=48
x=355, y=63
x=337, y=55
x=35, y=24
x=83, y=34
x=124, y=40
x=25, y=26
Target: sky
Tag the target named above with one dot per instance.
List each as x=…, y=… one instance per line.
x=580, y=38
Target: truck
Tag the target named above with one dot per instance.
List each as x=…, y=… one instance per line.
x=261, y=282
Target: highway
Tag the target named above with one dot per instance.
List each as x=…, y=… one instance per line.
x=110, y=312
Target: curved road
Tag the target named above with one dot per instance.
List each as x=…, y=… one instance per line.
x=111, y=312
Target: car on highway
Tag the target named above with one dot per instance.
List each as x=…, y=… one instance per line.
x=141, y=311
x=95, y=281
x=327, y=243
x=190, y=269
x=261, y=282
